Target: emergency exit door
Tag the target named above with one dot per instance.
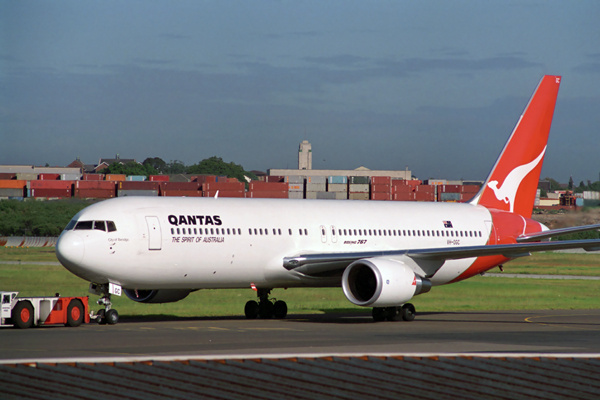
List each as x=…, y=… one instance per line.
x=154, y=235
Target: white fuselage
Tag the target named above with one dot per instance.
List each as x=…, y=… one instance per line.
x=195, y=243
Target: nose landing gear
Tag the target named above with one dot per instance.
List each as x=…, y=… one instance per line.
x=265, y=308
x=107, y=315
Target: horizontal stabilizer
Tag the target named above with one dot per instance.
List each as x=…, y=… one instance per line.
x=534, y=237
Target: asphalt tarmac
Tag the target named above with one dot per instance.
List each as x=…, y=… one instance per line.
x=543, y=332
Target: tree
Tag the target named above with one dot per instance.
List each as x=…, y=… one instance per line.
x=570, y=183
x=175, y=167
x=131, y=168
x=157, y=163
x=216, y=166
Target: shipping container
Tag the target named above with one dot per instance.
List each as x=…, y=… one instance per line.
x=449, y=196
x=326, y=195
x=358, y=180
x=341, y=195
x=409, y=182
x=20, y=192
x=129, y=185
x=316, y=179
x=403, y=189
x=95, y=185
x=94, y=193
x=53, y=193
x=93, y=177
x=471, y=189
x=296, y=187
x=435, y=181
x=381, y=196
x=295, y=195
x=450, y=188
x=13, y=184
x=204, y=178
x=159, y=178
x=424, y=196
x=49, y=177
x=27, y=177
x=7, y=175
x=225, y=193
x=381, y=180
x=62, y=185
x=381, y=188
x=70, y=177
x=223, y=186
x=358, y=188
x=136, y=178
x=589, y=195
x=294, y=179
x=337, y=187
x=310, y=195
x=268, y=194
x=337, y=180
x=316, y=187
x=274, y=178
x=268, y=186
x=425, y=189
x=180, y=193
x=115, y=177
x=404, y=196
x=358, y=196
x=179, y=186
x=126, y=193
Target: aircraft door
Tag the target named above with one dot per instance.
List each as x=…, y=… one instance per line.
x=154, y=234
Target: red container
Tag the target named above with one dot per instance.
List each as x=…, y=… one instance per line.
x=6, y=175
x=275, y=178
x=470, y=189
x=402, y=189
x=450, y=188
x=424, y=196
x=204, y=178
x=62, y=185
x=381, y=189
x=133, y=185
x=403, y=196
x=255, y=186
x=93, y=177
x=159, y=178
x=179, y=186
x=381, y=196
x=268, y=194
x=95, y=185
x=381, y=180
x=425, y=189
x=94, y=193
x=208, y=187
x=49, y=177
x=51, y=193
x=181, y=193
x=224, y=193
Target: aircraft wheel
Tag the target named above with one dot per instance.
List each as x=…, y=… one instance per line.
x=251, y=309
x=75, y=313
x=265, y=310
x=392, y=314
x=279, y=309
x=23, y=315
x=101, y=317
x=378, y=314
x=408, y=312
x=112, y=316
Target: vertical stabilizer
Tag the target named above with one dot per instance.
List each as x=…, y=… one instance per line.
x=512, y=184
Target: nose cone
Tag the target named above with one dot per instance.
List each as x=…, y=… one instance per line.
x=70, y=249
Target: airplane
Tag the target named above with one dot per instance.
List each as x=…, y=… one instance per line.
x=382, y=253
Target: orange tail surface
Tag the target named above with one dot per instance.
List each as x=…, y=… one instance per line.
x=512, y=184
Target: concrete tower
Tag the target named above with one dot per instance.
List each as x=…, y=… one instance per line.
x=305, y=155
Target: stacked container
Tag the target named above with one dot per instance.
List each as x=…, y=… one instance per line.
x=338, y=185
x=159, y=178
x=457, y=193
x=358, y=188
x=425, y=193
x=267, y=190
x=93, y=177
x=12, y=188
x=116, y=177
x=94, y=189
x=180, y=189
x=49, y=189
x=314, y=186
x=137, y=188
x=225, y=189
x=403, y=190
x=381, y=188
x=295, y=186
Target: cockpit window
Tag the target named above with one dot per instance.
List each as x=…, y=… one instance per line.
x=111, y=226
x=100, y=225
x=70, y=225
x=84, y=225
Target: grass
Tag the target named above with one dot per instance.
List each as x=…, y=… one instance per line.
x=475, y=294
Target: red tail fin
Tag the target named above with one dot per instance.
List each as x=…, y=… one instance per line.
x=512, y=184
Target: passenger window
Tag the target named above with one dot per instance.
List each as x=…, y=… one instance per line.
x=100, y=226
x=84, y=225
x=306, y=232
x=172, y=231
x=290, y=231
x=300, y=230
x=279, y=231
x=70, y=225
x=255, y=231
x=260, y=230
x=111, y=226
x=323, y=231
x=250, y=231
x=228, y=231
x=345, y=232
x=274, y=231
x=178, y=231
x=239, y=231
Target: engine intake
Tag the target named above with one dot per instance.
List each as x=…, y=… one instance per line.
x=157, y=296
x=381, y=282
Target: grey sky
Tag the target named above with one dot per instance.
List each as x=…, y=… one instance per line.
x=433, y=85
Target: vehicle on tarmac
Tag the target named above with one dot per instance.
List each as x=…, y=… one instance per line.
x=382, y=253
x=25, y=312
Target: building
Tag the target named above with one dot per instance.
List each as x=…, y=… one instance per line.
x=305, y=155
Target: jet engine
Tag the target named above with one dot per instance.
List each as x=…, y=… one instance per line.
x=381, y=282
x=157, y=296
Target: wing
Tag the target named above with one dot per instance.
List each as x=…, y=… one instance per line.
x=430, y=260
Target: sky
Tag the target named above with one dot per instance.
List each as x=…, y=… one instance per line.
x=435, y=86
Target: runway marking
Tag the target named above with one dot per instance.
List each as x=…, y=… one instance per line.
x=216, y=328
x=566, y=325
x=275, y=329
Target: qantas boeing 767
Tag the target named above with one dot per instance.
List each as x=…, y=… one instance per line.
x=159, y=249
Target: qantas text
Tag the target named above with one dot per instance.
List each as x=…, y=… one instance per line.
x=195, y=220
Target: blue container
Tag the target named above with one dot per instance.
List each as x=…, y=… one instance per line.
x=136, y=178
x=337, y=179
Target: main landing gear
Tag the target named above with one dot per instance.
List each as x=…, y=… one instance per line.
x=107, y=315
x=405, y=313
x=265, y=308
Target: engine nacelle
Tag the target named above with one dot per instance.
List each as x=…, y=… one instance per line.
x=381, y=282
x=157, y=296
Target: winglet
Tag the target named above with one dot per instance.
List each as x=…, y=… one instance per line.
x=513, y=181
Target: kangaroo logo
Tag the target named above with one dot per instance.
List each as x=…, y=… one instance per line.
x=508, y=191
